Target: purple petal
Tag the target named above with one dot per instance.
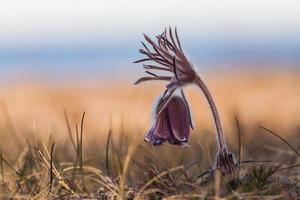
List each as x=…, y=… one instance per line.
x=160, y=132
x=179, y=119
x=153, y=139
x=149, y=136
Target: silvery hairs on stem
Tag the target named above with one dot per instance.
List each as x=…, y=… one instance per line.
x=167, y=55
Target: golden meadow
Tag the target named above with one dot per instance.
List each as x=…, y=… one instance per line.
x=33, y=116
x=268, y=99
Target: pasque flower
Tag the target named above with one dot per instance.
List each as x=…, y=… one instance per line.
x=166, y=55
x=172, y=124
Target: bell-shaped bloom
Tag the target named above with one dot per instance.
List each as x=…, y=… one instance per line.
x=172, y=124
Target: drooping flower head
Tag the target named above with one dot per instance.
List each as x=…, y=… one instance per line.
x=172, y=124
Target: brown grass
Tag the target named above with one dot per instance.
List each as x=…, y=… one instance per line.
x=33, y=113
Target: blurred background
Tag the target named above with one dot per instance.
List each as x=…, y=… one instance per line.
x=77, y=56
x=68, y=41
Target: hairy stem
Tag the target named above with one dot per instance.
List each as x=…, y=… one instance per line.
x=213, y=108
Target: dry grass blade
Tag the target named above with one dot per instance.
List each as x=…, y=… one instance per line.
x=51, y=167
x=281, y=138
x=77, y=145
x=10, y=166
x=191, y=165
x=117, y=158
x=140, y=193
x=239, y=133
x=56, y=173
x=255, y=161
x=185, y=196
x=2, y=169
x=289, y=167
x=99, y=177
x=81, y=140
x=152, y=156
x=124, y=175
x=69, y=130
x=107, y=152
x=9, y=123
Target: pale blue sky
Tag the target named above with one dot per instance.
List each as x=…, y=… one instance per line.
x=65, y=38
